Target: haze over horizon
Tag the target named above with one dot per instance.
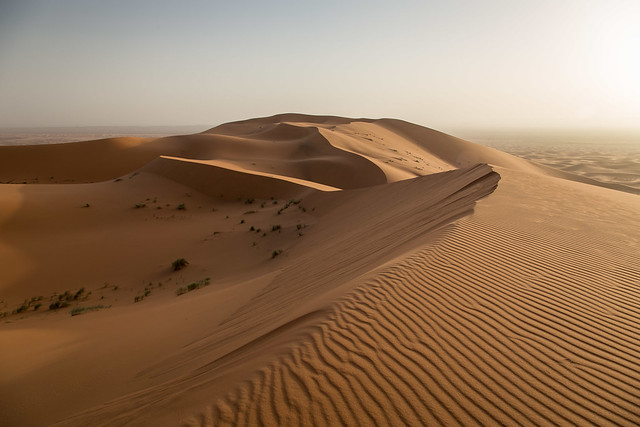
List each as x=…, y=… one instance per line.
x=560, y=64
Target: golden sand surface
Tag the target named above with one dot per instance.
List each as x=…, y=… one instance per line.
x=340, y=271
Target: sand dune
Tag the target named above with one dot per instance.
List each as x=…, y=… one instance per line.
x=359, y=272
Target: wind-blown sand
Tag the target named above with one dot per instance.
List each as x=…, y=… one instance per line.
x=422, y=279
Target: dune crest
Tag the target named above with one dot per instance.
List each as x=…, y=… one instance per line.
x=337, y=271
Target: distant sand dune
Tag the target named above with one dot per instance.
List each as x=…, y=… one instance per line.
x=341, y=271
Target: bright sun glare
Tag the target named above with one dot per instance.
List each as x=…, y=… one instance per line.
x=615, y=60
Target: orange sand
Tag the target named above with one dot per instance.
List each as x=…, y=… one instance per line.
x=423, y=279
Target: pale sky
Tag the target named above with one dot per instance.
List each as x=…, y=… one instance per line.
x=442, y=64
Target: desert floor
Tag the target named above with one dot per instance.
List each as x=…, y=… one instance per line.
x=340, y=271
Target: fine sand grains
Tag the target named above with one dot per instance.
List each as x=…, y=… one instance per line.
x=417, y=279
x=490, y=325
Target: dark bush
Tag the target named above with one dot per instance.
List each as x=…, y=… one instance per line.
x=179, y=264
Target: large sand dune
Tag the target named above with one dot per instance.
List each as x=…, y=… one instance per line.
x=341, y=271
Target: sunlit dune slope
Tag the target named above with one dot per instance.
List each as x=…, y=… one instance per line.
x=340, y=271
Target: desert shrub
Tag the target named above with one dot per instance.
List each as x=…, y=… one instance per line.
x=275, y=227
x=193, y=286
x=179, y=264
x=249, y=201
x=80, y=310
x=66, y=296
x=182, y=207
x=78, y=294
x=242, y=221
x=141, y=205
x=58, y=304
x=276, y=253
x=37, y=306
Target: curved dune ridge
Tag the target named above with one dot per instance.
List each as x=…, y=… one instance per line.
x=488, y=325
x=341, y=271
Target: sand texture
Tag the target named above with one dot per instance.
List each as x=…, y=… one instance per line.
x=341, y=272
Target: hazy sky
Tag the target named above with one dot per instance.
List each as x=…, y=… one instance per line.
x=443, y=64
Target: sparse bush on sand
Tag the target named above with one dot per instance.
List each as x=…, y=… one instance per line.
x=179, y=264
x=80, y=310
x=58, y=304
x=193, y=286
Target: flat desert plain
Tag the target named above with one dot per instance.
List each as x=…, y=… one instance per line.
x=312, y=270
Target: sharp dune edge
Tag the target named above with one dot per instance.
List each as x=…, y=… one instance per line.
x=422, y=279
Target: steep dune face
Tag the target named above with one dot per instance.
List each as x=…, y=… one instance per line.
x=498, y=321
x=341, y=271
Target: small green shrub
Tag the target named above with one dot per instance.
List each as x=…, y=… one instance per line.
x=276, y=253
x=58, y=304
x=275, y=227
x=193, y=286
x=182, y=207
x=80, y=310
x=179, y=264
x=141, y=205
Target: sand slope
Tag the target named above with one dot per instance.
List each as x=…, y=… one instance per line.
x=395, y=279
x=498, y=321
